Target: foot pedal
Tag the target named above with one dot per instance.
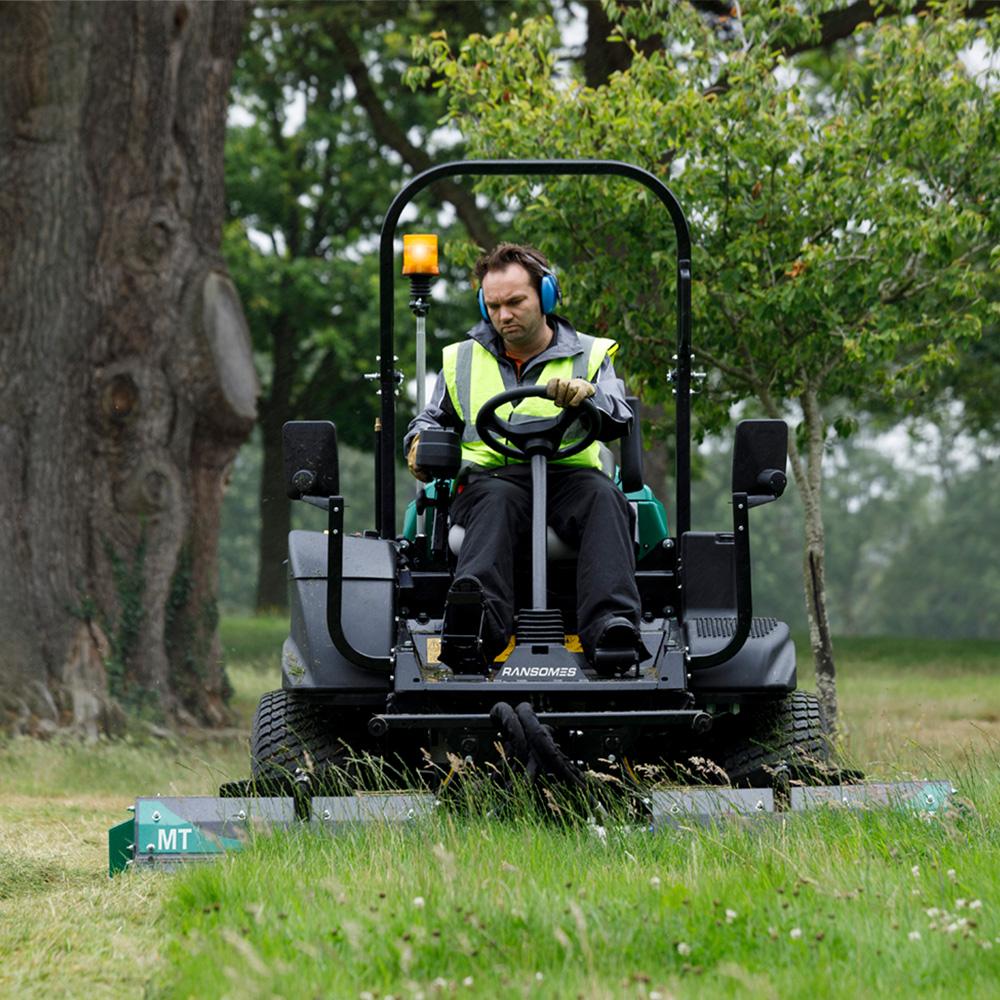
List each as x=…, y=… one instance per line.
x=610, y=662
x=461, y=639
x=535, y=626
x=617, y=649
x=463, y=654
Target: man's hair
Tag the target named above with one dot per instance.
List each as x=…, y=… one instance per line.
x=505, y=254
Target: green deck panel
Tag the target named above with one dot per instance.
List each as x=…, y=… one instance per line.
x=121, y=842
x=171, y=833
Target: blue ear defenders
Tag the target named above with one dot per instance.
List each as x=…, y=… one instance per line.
x=551, y=295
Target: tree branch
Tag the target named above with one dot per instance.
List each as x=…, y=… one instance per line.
x=389, y=132
x=836, y=25
x=733, y=372
x=320, y=218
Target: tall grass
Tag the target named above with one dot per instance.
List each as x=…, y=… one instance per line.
x=834, y=903
x=831, y=903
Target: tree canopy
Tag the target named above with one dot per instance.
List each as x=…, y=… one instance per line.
x=844, y=228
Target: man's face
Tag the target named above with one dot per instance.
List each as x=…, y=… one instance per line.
x=514, y=307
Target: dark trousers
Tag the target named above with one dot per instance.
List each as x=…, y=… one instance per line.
x=585, y=509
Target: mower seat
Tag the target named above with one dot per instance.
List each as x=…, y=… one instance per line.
x=557, y=549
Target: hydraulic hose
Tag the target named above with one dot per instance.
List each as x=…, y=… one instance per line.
x=531, y=744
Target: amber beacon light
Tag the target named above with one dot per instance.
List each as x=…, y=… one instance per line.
x=420, y=254
x=420, y=265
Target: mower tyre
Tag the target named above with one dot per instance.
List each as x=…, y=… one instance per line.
x=791, y=736
x=296, y=735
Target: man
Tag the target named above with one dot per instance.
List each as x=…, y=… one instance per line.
x=521, y=341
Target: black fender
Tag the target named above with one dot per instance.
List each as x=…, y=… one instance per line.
x=309, y=659
x=765, y=665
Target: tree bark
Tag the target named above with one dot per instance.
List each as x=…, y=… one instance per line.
x=126, y=375
x=275, y=506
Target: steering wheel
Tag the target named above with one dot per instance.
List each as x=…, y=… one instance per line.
x=541, y=436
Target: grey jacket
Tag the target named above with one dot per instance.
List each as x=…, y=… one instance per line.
x=609, y=396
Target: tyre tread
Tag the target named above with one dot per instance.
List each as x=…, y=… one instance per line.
x=289, y=727
x=792, y=733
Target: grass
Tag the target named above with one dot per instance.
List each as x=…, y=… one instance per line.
x=304, y=916
x=528, y=908
x=254, y=643
x=75, y=933
x=914, y=704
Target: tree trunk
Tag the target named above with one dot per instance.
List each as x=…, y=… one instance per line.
x=809, y=478
x=126, y=375
x=602, y=58
x=275, y=507
x=275, y=519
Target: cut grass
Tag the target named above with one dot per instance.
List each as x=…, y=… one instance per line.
x=914, y=704
x=185, y=764
x=911, y=706
x=65, y=929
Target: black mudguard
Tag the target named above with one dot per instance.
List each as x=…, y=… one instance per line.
x=309, y=659
x=765, y=665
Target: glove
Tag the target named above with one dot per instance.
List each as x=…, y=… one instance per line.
x=411, y=462
x=569, y=391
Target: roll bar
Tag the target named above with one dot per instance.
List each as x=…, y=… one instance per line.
x=385, y=461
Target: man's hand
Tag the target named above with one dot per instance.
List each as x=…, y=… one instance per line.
x=569, y=391
x=411, y=462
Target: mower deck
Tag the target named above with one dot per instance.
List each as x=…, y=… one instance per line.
x=167, y=832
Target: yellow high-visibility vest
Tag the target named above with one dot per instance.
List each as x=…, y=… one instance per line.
x=472, y=375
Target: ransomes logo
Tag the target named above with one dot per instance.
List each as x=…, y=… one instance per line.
x=538, y=673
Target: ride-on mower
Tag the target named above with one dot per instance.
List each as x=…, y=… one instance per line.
x=368, y=672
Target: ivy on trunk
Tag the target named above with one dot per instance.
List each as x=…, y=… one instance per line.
x=128, y=381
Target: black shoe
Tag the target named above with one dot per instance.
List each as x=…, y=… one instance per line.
x=618, y=649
